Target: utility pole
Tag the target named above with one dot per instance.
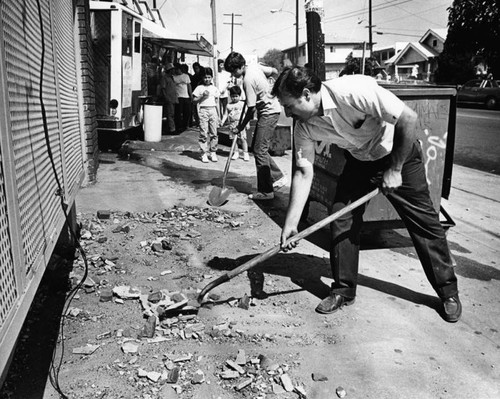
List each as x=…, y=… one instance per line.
x=232, y=15
x=214, y=40
x=297, y=32
x=370, y=26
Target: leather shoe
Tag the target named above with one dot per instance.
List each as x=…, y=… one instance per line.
x=452, y=309
x=332, y=303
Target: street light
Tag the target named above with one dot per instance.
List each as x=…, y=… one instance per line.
x=275, y=10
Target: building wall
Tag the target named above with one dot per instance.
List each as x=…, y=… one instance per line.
x=88, y=88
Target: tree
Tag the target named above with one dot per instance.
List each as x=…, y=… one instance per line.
x=473, y=37
x=273, y=58
x=353, y=66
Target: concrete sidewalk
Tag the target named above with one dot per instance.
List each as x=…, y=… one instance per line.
x=391, y=337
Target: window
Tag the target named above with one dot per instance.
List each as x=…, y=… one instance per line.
x=332, y=49
x=434, y=43
x=137, y=37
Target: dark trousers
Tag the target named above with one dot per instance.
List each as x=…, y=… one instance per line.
x=182, y=113
x=267, y=170
x=412, y=202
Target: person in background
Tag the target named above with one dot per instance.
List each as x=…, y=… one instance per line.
x=377, y=131
x=153, y=76
x=233, y=114
x=168, y=96
x=183, y=89
x=196, y=79
x=223, y=81
x=258, y=97
x=207, y=98
x=189, y=107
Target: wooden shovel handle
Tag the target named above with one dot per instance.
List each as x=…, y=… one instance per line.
x=273, y=251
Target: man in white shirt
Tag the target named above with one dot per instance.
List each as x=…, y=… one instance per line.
x=376, y=129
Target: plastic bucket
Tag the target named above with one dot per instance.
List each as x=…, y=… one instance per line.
x=152, y=124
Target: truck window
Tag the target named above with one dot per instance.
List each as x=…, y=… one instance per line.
x=137, y=37
x=127, y=35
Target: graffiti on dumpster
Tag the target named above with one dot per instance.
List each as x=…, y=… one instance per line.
x=433, y=146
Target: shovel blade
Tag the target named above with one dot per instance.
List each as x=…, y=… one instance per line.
x=218, y=196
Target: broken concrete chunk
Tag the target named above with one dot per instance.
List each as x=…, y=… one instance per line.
x=286, y=382
x=319, y=377
x=301, y=391
x=157, y=247
x=130, y=347
x=229, y=374
x=155, y=297
x=244, y=302
x=85, y=350
x=185, y=358
x=341, y=392
x=104, y=214
x=126, y=292
x=173, y=375
x=198, y=377
x=142, y=373
x=235, y=366
x=278, y=389
x=106, y=295
x=244, y=384
x=241, y=359
x=166, y=245
x=154, y=376
x=149, y=327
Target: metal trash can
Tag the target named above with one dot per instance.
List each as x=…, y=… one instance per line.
x=152, y=123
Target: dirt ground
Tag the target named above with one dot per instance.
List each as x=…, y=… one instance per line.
x=391, y=343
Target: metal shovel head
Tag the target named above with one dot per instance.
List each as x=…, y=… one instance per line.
x=218, y=196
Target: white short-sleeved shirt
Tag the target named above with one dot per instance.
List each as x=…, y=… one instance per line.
x=211, y=100
x=181, y=85
x=359, y=116
x=258, y=90
x=234, y=111
x=224, y=79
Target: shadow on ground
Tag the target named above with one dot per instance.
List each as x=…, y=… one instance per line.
x=306, y=272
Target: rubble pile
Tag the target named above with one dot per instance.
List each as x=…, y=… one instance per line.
x=140, y=312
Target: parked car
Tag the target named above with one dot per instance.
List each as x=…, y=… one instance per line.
x=480, y=91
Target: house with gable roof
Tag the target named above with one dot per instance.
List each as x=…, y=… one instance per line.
x=416, y=60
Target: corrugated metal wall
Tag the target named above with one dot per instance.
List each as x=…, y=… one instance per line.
x=38, y=65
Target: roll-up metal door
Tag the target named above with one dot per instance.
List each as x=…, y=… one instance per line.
x=38, y=72
x=68, y=93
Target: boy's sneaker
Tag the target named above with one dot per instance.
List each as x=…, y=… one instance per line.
x=257, y=196
x=213, y=157
x=204, y=158
x=235, y=156
x=280, y=183
x=246, y=157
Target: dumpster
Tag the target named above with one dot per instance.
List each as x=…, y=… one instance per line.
x=152, y=123
x=436, y=109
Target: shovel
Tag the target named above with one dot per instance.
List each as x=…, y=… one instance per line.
x=273, y=251
x=219, y=195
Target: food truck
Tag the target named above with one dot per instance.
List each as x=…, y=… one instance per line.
x=121, y=32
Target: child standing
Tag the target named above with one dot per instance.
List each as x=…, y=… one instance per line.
x=206, y=96
x=234, y=110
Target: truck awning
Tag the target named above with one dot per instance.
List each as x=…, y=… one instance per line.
x=199, y=47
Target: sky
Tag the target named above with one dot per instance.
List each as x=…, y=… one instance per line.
x=261, y=30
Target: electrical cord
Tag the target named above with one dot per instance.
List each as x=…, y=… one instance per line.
x=55, y=365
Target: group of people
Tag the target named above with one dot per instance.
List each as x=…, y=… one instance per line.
x=377, y=132
x=172, y=85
